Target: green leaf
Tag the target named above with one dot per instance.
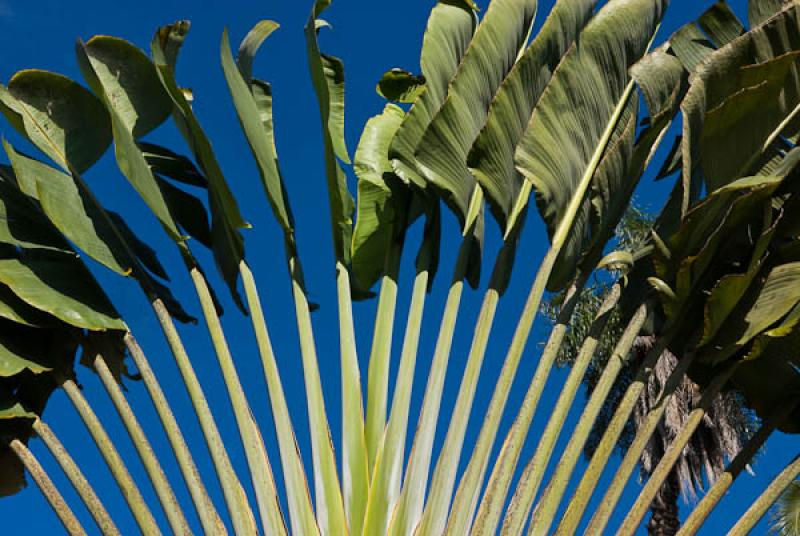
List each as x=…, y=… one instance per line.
x=375, y=224
x=327, y=76
x=397, y=85
x=778, y=296
x=577, y=115
x=226, y=220
x=253, y=102
x=72, y=211
x=720, y=23
x=19, y=312
x=19, y=352
x=61, y=286
x=189, y=212
x=694, y=247
x=758, y=11
x=126, y=81
x=144, y=253
x=22, y=223
x=662, y=80
x=130, y=83
x=63, y=119
x=491, y=158
x=169, y=164
x=450, y=28
x=442, y=151
x=724, y=132
x=250, y=45
x=731, y=288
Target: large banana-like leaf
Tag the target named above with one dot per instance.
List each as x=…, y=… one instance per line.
x=253, y=102
x=493, y=51
x=166, y=163
x=63, y=119
x=720, y=24
x=21, y=349
x=450, y=28
x=127, y=83
x=377, y=209
x=758, y=11
x=764, y=304
x=491, y=158
x=71, y=211
x=19, y=312
x=22, y=224
x=576, y=117
x=61, y=286
x=327, y=75
x=226, y=220
x=662, y=81
x=725, y=133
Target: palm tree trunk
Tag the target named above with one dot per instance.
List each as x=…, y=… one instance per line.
x=664, y=517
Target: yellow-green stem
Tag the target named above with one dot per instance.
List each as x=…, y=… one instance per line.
x=301, y=511
x=330, y=506
x=235, y=498
x=355, y=464
x=534, y=471
x=49, y=490
x=434, y=518
x=209, y=518
x=580, y=433
x=467, y=496
x=667, y=462
x=380, y=354
x=76, y=478
x=409, y=506
x=255, y=451
x=141, y=513
x=386, y=477
x=175, y=518
x=721, y=485
x=643, y=434
x=765, y=501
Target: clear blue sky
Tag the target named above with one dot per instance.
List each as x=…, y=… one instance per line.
x=371, y=36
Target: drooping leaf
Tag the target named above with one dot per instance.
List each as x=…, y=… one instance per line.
x=577, y=115
x=724, y=132
x=70, y=208
x=19, y=312
x=327, y=76
x=130, y=83
x=377, y=212
x=442, y=151
x=397, y=85
x=146, y=254
x=721, y=24
x=60, y=285
x=450, y=28
x=730, y=290
x=758, y=11
x=491, y=158
x=127, y=83
x=169, y=164
x=253, y=102
x=226, y=220
x=662, y=80
x=63, y=119
x=25, y=348
x=250, y=45
x=22, y=224
x=189, y=212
